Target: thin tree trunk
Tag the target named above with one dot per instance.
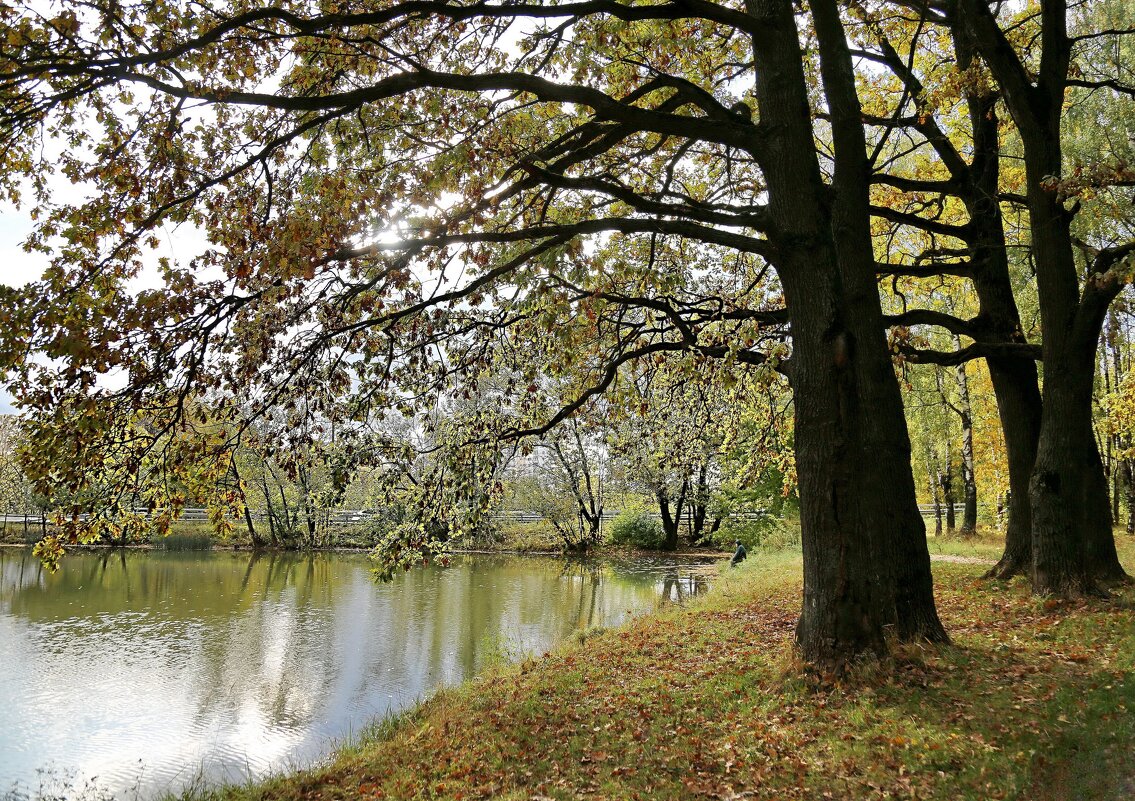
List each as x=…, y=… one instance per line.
x=969, y=480
x=946, y=481
x=1116, y=478
x=268, y=510
x=1108, y=453
x=935, y=493
x=253, y=536
x=1130, y=476
x=932, y=469
x=1121, y=465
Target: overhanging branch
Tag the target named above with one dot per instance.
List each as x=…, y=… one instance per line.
x=978, y=350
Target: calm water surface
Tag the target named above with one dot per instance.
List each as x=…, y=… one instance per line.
x=156, y=671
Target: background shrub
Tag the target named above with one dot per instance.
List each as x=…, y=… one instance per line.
x=768, y=532
x=637, y=528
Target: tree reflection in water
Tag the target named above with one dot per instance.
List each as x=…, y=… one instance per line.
x=679, y=585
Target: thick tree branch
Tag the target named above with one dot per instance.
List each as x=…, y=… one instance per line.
x=978, y=350
x=324, y=24
x=728, y=129
x=921, y=223
x=1111, y=84
x=626, y=225
x=954, y=325
x=961, y=269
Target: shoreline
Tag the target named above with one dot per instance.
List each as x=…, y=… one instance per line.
x=706, y=700
x=692, y=555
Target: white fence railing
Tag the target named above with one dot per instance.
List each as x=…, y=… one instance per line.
x=359, y=516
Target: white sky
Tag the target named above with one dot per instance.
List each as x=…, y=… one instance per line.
x=16, y=266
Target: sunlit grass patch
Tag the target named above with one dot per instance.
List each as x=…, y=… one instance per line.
x=986, y=544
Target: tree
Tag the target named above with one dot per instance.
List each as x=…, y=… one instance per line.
x=670, y=444
x=946, y=211
x=1072, y=541
x=1115, y=363
x=16, y=495
x=393, y=194
x=293, y=497
x=566, y=486
x=1027, y=60
x=11, y=478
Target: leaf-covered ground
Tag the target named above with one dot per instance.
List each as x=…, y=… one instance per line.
x=1033, y=700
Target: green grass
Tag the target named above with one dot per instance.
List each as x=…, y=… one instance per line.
x=987, y=544
x=538, y=536
x=16, y=534
x=184, y=541
x=1033, y=699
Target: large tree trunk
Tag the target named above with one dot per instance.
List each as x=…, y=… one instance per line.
x=888, y=477
x=1063, y=501
x=866, y=565
x=848, y=595
x=1019, y=408
x=1100, y=554
x=1073, y=544
x=1070, y=540
x=1015, y=382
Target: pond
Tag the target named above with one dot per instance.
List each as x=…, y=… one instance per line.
x=136, y=673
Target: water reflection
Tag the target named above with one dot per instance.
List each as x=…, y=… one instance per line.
x=678, y=585
x=159, y=668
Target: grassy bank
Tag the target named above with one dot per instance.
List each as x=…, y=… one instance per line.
x=1033, y=700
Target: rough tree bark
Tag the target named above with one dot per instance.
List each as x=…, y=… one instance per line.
x=1014, y=378
x=1072, y=544
x=866, y=565
x=887, y=469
